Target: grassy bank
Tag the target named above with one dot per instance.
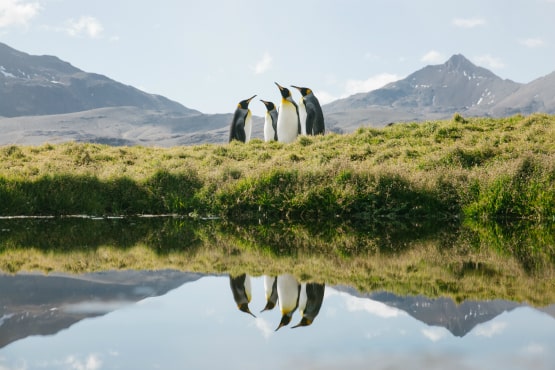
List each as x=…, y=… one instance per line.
x=480, y=168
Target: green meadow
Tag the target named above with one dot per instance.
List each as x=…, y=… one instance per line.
x=462, y=207
x=480, y=168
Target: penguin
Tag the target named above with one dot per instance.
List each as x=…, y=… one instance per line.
x=270, y=121
x=270, y=287
x=241, y=126
x=241, y=289
x=314, y=121
x=288, y=289
x=310, y=301
x=288, y=124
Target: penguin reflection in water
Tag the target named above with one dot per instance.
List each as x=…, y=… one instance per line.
x=288, y=289
x=270, y=288
x=241, y=289
x=310, y=301
x=310, y=113
x=241, y=126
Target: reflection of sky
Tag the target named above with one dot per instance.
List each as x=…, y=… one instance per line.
x=198, y=326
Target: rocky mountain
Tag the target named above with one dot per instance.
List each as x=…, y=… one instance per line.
x=536, y=96
x=38, y=85
x=32, y=304
x=459, y=318
x=435, y=91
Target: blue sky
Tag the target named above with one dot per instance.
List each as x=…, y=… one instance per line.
x=208, y=55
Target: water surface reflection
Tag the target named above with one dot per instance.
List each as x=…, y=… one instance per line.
x=174, y=320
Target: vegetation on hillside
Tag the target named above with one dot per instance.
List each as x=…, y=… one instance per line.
x=481, y=168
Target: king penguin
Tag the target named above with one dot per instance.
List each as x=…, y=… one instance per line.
x=310, y=301
x=241, y=126
x=270, y=288
x=241, y=289
x=270, y=121
x=288, y=289
x=314, y=117
x=288, y=124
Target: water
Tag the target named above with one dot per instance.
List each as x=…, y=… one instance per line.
x=176, y=320
x=392, y=296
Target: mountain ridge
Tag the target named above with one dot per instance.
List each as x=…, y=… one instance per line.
x=45, y=99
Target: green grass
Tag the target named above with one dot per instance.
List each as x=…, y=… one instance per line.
x=482, y=168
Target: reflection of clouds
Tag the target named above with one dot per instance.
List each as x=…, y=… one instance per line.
x=95, y=307
x=434, y=333
x=92, y=362
x=370, y=306
x=490, y=329
x=264, y=327
x=534, y=349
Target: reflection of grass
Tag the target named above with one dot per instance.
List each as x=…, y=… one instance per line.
x=479, y=167
x=479, y=262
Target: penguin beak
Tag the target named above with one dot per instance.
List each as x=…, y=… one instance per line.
x=296, y=87
x=278, y=85
x=249, y=99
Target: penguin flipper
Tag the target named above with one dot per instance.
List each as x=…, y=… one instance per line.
x=314, y=110
x=310, y=116
x=240, y=130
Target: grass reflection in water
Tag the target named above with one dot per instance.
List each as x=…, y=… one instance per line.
x=470, y=261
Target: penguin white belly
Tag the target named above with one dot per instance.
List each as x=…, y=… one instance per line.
x=248, y=126
x=287, y=124
x=302, y=116
x=268, y=129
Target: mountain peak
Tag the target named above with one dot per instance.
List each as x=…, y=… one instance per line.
x=459, y=62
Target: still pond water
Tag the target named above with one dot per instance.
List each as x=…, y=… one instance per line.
x=170, y=319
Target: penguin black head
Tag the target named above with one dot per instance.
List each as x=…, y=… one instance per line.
x=244, y=104
x=303, y=90
x=285, y=93
x=285, y=320
x=245, y=308
x=304, y=322
x=269, y=105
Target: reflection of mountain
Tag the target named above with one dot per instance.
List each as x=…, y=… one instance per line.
x=459, y=319
x=44, y=305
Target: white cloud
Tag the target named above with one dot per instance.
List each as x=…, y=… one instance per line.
x=489, y=61
x=324, y=97
x=263, y=64
x=532, y=42
x=433, y=56
x=17, y=12
x=85, y=26
x=468, y=22
x=490, y=329
x=434, y=333
x=372, y=83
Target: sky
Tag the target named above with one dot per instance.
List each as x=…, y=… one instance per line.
x=208, y=55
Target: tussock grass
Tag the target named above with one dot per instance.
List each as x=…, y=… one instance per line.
x=482, y=168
